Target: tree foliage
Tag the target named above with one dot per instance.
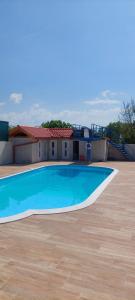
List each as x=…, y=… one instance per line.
x=114, y=130
x=56, y=124
x=123, y=131
x=127, y=114
x=128, y=121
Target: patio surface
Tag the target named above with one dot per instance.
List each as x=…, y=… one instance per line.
x=83, y=255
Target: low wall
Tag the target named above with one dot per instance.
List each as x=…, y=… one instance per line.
x=115, y=154
x=130, y=149
x=6, y=153
x=99, y=150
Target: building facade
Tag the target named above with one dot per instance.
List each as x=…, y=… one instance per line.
x=31, y=144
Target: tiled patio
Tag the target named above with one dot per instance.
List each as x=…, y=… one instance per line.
x=83, y=255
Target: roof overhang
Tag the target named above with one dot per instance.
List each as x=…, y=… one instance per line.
x=18, y=130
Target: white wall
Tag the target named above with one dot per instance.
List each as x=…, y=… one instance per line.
x=130, y=148
x=99, y=150
x=23, y=154
x=35, y=152
x=40, y=151
x=43, y=150
x=59, y=149
x=6, y=153
x=20, y=140
x=31, y=153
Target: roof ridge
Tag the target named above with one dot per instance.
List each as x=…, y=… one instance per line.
x=49, y=128
x=58, y=128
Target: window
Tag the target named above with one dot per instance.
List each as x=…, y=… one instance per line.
x=65, y=145
x=52, y=144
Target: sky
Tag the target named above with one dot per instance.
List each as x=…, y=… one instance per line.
x=72, y=60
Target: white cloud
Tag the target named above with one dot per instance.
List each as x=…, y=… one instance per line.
x=101, y=101
x=110, y=94
x=16, y=97
x=101, y=110
x=36, y=115
x=105, y=93
x=106, y=97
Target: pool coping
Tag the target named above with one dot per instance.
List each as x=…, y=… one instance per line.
x=89, y=201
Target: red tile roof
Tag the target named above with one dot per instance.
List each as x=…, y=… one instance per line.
x=42, y=133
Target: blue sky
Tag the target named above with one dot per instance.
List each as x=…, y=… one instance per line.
x=66, y=59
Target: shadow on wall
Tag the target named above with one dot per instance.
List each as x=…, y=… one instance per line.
x=130, y=148
x=6, y=153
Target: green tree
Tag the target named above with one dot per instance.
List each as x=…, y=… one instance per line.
x=123, y=131
x=56, y=124
x=114, y=131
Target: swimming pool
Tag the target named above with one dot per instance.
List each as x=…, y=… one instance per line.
x=51, y=189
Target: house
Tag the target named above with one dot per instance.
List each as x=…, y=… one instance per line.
x=32, y=144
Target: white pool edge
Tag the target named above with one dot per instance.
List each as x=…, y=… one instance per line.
x=89, y=201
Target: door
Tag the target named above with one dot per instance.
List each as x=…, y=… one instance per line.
x=75, y=150
x=65, y=150
x=53, y=150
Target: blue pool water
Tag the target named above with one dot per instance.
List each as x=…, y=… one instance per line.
x=49, y=187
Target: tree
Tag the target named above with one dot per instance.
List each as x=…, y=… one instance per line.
x=114, y=131
x=123, y=131
x=56, y=124
x=127, y=116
